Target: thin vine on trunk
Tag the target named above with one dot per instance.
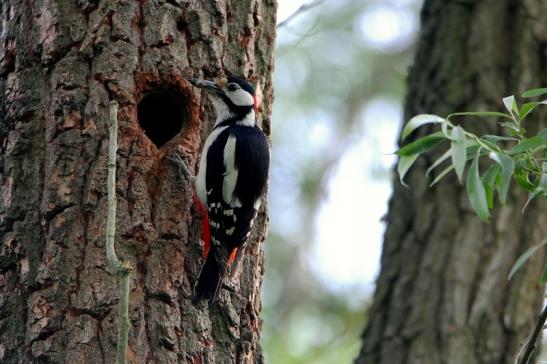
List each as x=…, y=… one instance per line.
x=122, y=269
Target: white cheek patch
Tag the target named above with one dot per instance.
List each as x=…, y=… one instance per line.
x=222, y=110
x=241, y=97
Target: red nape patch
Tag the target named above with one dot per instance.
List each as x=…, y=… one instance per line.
x=205, y=230
x=231, y=258
x=255, y=101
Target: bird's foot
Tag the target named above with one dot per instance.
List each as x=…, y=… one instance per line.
x=229, y=286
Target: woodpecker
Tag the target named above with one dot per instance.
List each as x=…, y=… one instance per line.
x=231, y=180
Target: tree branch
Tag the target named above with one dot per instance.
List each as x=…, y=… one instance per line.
x=301, y=9
x=123, y=269
x=525, y=354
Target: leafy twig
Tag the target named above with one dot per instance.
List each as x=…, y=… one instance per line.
x=530, y=347
x=123, y=269
x=516, y=161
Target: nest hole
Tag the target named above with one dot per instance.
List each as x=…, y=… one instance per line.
x=162, y=114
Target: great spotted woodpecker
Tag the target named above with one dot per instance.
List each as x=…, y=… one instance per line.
x=231, y=180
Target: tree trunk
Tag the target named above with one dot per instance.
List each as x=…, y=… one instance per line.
x=443, y=295
x=61, y=62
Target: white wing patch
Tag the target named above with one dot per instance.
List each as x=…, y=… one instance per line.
x=200, y=183
x=230, y=176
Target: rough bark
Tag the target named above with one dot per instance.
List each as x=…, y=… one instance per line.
x=61, y=61
x=442, y=295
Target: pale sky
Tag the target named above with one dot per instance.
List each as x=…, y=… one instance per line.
x=348, y=229
x=348, y=234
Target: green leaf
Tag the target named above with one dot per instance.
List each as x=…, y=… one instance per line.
x=404, y=164
x=418, y=121
x=543, y=134
x=498, y=138
x=444, y=129
x=441, y=159
x=471, y=151
x=459, y=151
x=521, y=164
x=492, y=147
x=541, y=187
x=543, y=179
x=527, y=109
x=524, y=258
x=535, y=92
x=472, y=148
x=507, y=165
x=512, y=127
x=441, y=175
x=480, y=113
x=544, y=276
x=421, y=145
x=488, y=181
x=476, y=192
x=527, y=144
x=511, y=105
x=523, y=180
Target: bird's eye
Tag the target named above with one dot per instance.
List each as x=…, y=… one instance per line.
x=232, y=87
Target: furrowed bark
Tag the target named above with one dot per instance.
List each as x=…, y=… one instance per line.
x=443, y=295
x=61, y=62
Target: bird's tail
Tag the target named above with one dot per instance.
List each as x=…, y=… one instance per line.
x=209, y=281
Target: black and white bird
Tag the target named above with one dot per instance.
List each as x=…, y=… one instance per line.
x=231, y=180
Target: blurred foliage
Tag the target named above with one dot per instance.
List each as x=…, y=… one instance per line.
x=328, y=68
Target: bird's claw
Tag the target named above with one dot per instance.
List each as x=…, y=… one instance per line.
x=228, y=286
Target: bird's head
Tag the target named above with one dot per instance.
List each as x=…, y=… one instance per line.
x=233, y=98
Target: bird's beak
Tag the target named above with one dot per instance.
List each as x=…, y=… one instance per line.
x=214, y=87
